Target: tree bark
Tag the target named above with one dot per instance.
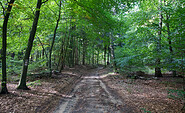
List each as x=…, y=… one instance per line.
x=22, y=82
x=4, y=89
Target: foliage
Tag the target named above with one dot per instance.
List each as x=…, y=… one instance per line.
x=88, y=29
x=176, y=94
x=34, y=83
x=145, y=111
x=139, y=47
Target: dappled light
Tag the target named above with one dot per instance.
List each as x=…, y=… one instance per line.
x=92, y=56
x=106, y=75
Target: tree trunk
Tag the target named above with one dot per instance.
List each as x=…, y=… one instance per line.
x=105, y=53
x=183, y=108
x=65, y=48
x=109, y=53
x=93, y=55
x=79, y=53
x=61, y=57
x=73, y=55
x=4, y=89
x=22, y=82
x=84, y=52
x=76, y=52
x=170, y=42
x=72, y=49
x=98, y=56
x=158, y=60
x=113, y=54
x=43, y=49
x=53, y=41
x=37, y=55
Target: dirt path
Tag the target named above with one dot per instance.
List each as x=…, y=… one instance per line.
x=91, y=95
x=83, y=89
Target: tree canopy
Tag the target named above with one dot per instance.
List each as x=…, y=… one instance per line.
x=133, y=35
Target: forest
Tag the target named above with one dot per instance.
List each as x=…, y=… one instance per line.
x=136, y=42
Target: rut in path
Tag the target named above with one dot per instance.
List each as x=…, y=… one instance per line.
x=91, y=95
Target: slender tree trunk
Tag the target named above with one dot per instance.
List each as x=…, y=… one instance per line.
x=158, y=60
x=89, y=58
x=113, y=57
x=105, y=53
x=72, y=49
x=66, y=48
x=22, y=82
x=4, y=89
x=74, y=46
x=84, y=52
x=63, y=57
x=43, y=49
x=183, y=108
x=62, y=49
x=113, y=54
x=93, y=56
x=109, y=53
x=71, y=53
x=183, y=75
x=60, y=56
x=79, y=53
x=53, y=41
x=76, y=53
x=98, y=56
x=170, y=42
x=37, y=55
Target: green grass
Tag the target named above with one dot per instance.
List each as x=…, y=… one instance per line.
x=34, y=83
x=176, y=94
x=145, y=111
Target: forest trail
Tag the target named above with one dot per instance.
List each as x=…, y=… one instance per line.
x=91, y=95
x=85, y=89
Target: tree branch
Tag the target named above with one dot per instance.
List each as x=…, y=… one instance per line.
x=44, y=2
x=57, y=3
x=3, y=8
x=43, y=47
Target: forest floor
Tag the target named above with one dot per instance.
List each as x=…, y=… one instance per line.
x=86, y=89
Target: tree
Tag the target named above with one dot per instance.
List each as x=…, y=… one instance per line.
x=169, y=37
x=158, y=60
x=113, y=53
x=22, y=82
x=7, y=11
x=54, y=35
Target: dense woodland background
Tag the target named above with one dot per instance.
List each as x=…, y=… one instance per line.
x=129, y=35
